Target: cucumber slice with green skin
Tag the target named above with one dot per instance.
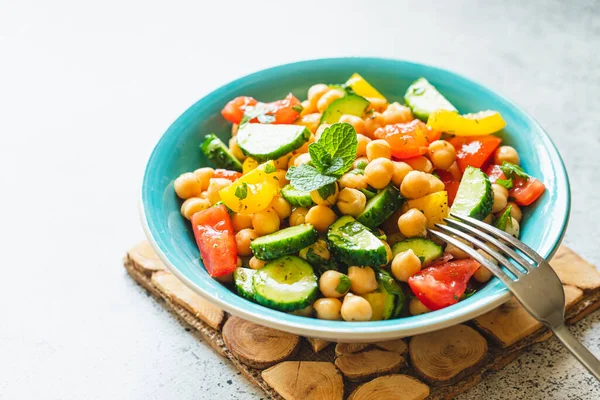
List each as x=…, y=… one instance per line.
x=297, y=198
x=381, y=207
x=243, y=282
x=399, y=306
x=475, y=196
x=283, y=242
x=425, y=249
x=382, y=304
x=270, y=141
x=423, y=99
x=353, y=244
x=285, y=284
x=368, y=194
x=351, y=104
x=218, y=154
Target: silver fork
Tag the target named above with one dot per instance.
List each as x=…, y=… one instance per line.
x=533, y=282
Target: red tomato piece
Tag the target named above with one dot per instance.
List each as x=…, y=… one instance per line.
x=224, y=173
x=442, y=285
x=474, y=151
x=215, y=239
x=494, y=173
x=234, y=110
x=283, y=110
x=409, y=139
x=527, y=191
x=450, y=183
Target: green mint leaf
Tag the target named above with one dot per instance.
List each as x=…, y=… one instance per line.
x=512, y=170
x=339, y=140
x=327, y=190
x=320, y=158
x=270, y=168
x=306, y=177
x=335, y=167
x=241, y=192
x=468, y=293
x=298, y=108
x=507, y=183
x=504, y=219
x=344, y=284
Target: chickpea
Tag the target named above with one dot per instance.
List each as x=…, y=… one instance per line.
x=351, y=202
x=413, y=223
x=307, y=311
x=311, y=121
x=282, y=207
x=329, y=309
x=321, y=217
x=489, y=219
x=298, y=216
x=265, y=221
x=372, y=123
x=442, y=154
x=307, y=108
x=363, y=141
x=304, y=148
x=455, y=251
x=330, y=281
x=241, y=221
x=353, y=181
x=378, y=149
x=396, y=113
x=508, y=154
x=356, y=308
x=204, y=175
x=249, y=164
x=255, y=263
x=329, y=97
x=316, y=91
x=193, y=205
x=420, y=163
x=243, y=239
x=234, y=129
x=214, y=186
x=282, y=162
x=435, y=184
x=455, y=171
x=515, y=211
x=332, y=192
x=500, y=197
x=363, y=279
x=281, y=179
x=378, y=172
x=482, y=274
x=415, y=184
x=405, y=265
x=415, y=307
x=401, y=169
x=187, y=185
x=356, y=122
x=388, y=251
x=302, y=159
x=360, y=162
x=377, y=104
x=236, y=150
x=319, y=249
x=513, y=228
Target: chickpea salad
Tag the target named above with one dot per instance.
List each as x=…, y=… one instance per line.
x=322, y=207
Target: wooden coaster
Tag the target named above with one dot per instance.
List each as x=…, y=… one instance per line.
x=436, y=365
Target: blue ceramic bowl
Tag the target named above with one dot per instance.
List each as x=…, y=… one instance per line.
x=177, y=152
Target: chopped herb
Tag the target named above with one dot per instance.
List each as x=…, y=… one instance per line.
x=507, y=183
x=298, y=108
x=512, y=170
x=241, y=192
x=270, y=168
x=344, y=284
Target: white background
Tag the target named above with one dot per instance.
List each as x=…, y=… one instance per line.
x=86, y=90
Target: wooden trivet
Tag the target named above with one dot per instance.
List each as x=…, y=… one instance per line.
x=435, y=365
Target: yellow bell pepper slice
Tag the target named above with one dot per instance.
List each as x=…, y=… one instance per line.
x=249, y=165
x=479, y=124
x=254, y=191
x=363, y=88
x=434, y=206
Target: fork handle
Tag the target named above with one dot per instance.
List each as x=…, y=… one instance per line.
x=585, y=357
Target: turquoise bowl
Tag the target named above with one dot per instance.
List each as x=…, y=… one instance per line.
x=177, y=152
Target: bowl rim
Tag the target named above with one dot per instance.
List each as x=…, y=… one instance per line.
x=367, y=331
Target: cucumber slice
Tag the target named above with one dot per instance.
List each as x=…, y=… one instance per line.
x=218, y=154
x=423, y=99
x=243, y=282
x=474, y=197
x=351, y=104
x=283, y=242
x=297, y=198
x=368, y=194
x=270, y=141
x=425, y=249
x=382, y=304
x=381, y=207
x=352, y=243
x=285, y=284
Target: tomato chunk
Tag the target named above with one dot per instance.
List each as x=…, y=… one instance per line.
x=283, y=110
x=215, y=239
x=494, y=173
x=409, y=139
x=450, y=183
x=474, y=151
x=442, y=285
x=234, y=110
x=527, y=191
x=225, y=173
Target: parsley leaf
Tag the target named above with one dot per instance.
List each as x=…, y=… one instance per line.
x=270, y=168
x=507, y=183
x=241, y=192
x=306, y=177
x=344, y=284
x=512, y=170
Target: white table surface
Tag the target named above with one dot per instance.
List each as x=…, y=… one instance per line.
x=87, y=89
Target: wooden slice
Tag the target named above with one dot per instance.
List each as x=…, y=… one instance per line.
x=177, y=292
x=305, y=380
x=317, y=344
x=144, y=258
x=397, y=346
x=440, y=356
x=391, y=387
x=360, y=367
x=348, y=348
x=574, y=270
x=256, y=345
